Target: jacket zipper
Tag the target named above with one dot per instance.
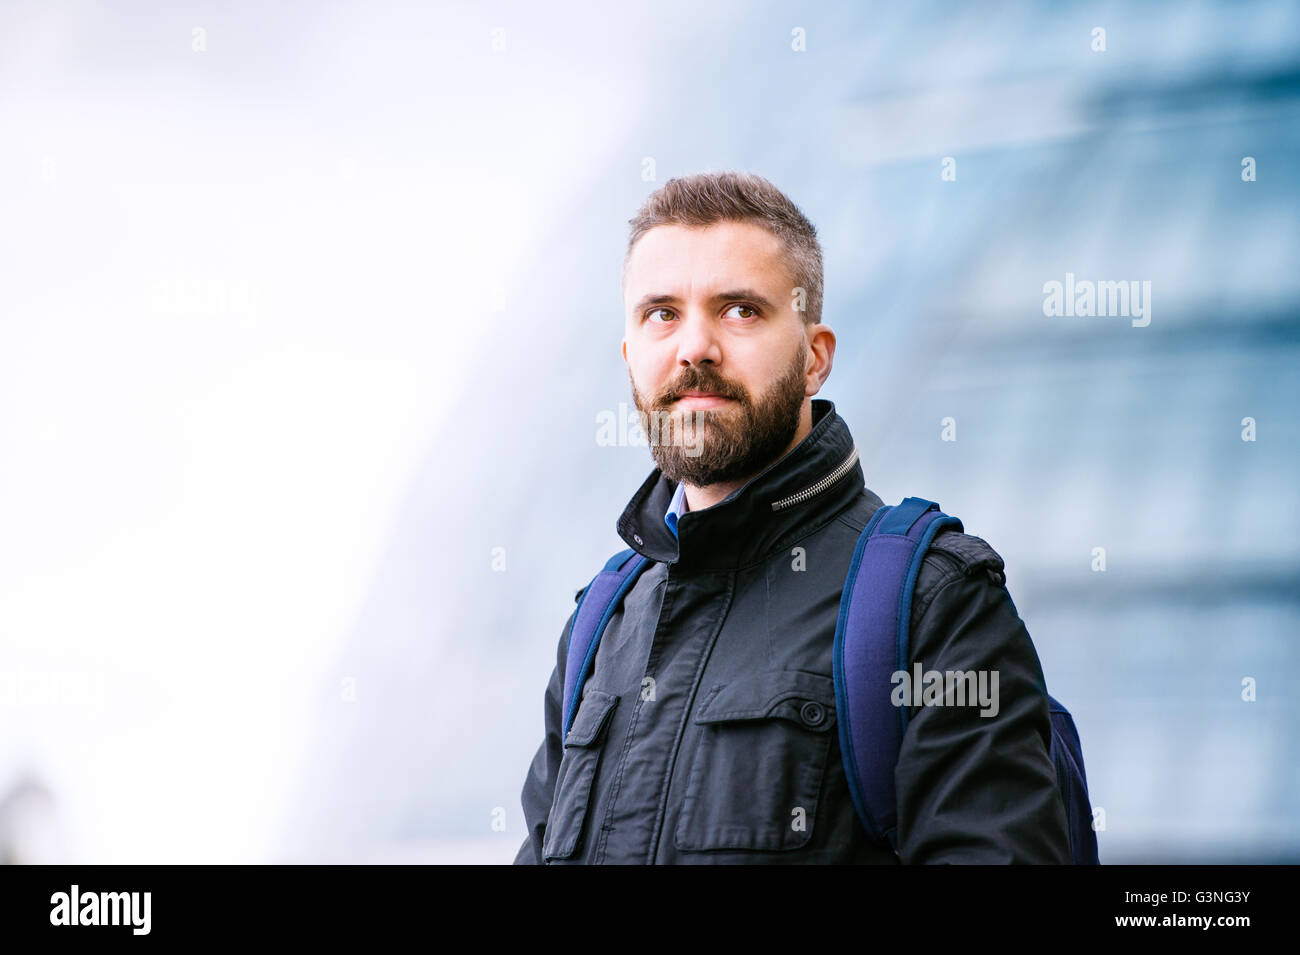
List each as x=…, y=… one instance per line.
x=813, y=489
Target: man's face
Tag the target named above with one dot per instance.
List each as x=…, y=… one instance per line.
x=717, y=355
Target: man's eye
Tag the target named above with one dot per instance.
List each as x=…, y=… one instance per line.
x=653, y=312
x=746, y=311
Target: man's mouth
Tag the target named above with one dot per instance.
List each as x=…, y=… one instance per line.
x=701, y=399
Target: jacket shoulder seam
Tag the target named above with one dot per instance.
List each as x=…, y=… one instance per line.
x=923, y=602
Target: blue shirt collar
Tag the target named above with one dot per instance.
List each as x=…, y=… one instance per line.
x=677, y=508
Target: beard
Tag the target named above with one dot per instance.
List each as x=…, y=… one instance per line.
x=712, y=445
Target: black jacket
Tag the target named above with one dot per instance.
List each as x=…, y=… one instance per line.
x=694, y=741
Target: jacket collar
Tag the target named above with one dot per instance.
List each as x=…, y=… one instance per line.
x=817, y=479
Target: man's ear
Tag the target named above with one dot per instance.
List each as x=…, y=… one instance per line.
x=821, y=352
x=625, y=350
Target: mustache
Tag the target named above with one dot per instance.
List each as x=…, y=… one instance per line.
x=695, y=380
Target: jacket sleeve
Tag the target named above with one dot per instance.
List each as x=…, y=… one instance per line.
x=973, y=788
x=539, y=784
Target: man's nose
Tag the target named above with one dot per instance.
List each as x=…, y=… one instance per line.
x=697, y=341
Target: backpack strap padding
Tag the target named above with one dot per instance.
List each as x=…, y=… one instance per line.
x=871, y=644
x=599, y=601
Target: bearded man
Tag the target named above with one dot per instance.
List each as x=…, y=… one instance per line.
x=706, y=727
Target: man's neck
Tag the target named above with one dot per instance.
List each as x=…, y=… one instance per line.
x=698, y=498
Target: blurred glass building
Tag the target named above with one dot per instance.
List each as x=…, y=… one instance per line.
x=1072, y=433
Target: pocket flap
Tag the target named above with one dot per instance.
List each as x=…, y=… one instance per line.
x=593, y=713
x=804, y=698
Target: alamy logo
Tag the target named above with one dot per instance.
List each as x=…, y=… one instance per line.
x=637, y=428
x=102, y=908
x=1105, y=299
x=949, y=688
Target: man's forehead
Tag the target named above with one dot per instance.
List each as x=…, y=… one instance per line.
x=675, y=259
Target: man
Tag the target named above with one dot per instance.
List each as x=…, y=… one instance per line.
x=706, y=729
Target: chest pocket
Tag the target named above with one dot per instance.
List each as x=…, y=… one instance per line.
x=577, y=772
x=758, y=768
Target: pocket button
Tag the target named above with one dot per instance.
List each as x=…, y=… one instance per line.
x=813, y=713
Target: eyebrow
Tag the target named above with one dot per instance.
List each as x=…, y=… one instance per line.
x=744, y=293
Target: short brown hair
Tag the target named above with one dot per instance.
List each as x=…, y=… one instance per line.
x=706, y=198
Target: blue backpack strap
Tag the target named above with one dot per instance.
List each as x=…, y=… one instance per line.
x=599, y=600
x=871, y=644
